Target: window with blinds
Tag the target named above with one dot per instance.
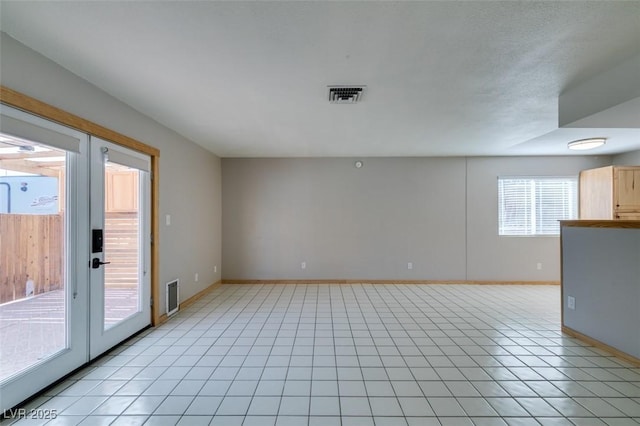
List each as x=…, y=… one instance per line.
x=534, y=205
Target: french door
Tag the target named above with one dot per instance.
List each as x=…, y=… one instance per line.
x=74, y=250
x=120, y=245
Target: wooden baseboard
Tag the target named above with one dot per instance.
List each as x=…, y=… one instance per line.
x=185, y=303
x=598, y=344
x=189, y=301
x=473, y=282
x=162, y=318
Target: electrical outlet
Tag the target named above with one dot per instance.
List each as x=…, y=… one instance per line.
x=303, y=265
x=539, y=266
x=215, y=268
x=410, y=265
x=571, y=303
x=196, y=277
x=167, y=220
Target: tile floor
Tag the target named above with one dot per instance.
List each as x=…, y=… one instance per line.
x=324, y=355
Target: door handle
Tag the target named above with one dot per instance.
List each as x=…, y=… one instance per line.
x=95, y=263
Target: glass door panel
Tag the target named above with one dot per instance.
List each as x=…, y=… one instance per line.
x=43, y=332
x=120, y=275
x=122, y=229
x=32, y=254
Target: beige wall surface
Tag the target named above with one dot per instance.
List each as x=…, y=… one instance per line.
x=601, y=270
x=441, y=214
x=494, y=257
x=627, y=159
x=190, y=177
x=342, y=221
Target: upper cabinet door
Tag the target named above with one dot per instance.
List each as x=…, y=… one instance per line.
x=627, y=188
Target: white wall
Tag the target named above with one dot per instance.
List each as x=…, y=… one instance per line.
x=493, y=257
x=347, y=223
x=627, y=159
x=190, y=177
x=342, y=221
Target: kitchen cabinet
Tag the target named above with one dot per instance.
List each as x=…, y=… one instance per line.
x=611, y=192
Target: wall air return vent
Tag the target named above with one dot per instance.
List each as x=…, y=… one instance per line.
x=172, y=297
x=345, y=94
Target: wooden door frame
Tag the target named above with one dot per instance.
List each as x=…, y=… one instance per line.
x=33, y=106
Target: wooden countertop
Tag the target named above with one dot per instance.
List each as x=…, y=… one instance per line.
x=630, y=224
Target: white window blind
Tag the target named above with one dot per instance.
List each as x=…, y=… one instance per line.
x=534, y=205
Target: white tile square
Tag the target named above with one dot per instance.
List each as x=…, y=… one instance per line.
x=375, y=373
x=278, y=373
x=324, y=388
x=115, y=405
x=264, y=405
x=215, y=387
x=269, y=388
x=400, y=373
x=188, y=420
x=188, y=387
x=446, y=407
x=477, y=407
x=385, y=406
x=292, y=421
x=379, y=388
x=415, y=407
x=357, y=421
x=297, y=388
x=83, y=405
x=159, y=387
x=325, y=373
x=294, y=406
x=242, y=388
x=299, y=373
x=434, y=389
x=144, y=405
x=234, y=406
x=132, y=421
x=355, y=406
x=174, y=405
x=259, y=421
x=389, y=421
x=325, y=406
x=204, y=406
x=406, y=388
x=352, y=388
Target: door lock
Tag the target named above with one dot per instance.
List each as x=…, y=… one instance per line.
x=95, y=263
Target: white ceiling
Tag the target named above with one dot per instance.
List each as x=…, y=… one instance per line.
x=249, y=79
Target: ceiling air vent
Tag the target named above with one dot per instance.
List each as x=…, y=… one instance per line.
x=345, y=94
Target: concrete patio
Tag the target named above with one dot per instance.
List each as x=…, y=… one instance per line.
x=32, y=329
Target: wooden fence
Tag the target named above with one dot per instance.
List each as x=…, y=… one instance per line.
x=121, y=248
x=31, y=248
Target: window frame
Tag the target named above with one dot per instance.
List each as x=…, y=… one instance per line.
x=533, y=228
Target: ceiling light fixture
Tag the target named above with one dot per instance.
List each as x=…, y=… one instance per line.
x=584, y=144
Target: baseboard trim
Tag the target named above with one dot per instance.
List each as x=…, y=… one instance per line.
x=598, y=344
x=364, y=281
x=162, y=318
x=186, y=303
